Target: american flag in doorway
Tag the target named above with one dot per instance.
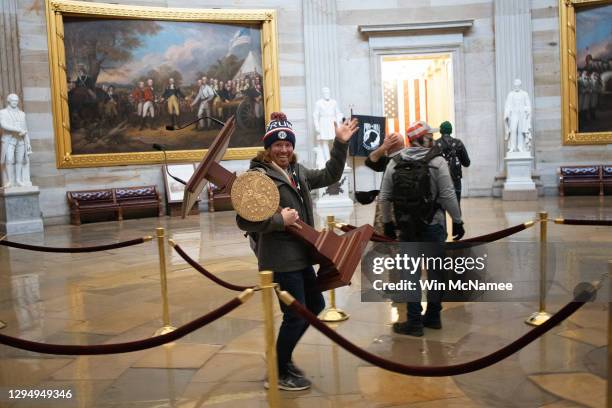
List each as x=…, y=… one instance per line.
x=404, y=102
x=390, y=105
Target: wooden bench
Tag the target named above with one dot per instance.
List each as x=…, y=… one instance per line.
x=113, y=201
x=585, y=180
x=92, y=202
x=133, y=198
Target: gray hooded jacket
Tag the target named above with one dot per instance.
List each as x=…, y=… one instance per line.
x=441, y=186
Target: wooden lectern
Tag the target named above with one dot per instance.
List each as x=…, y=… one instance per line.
x=338, y=256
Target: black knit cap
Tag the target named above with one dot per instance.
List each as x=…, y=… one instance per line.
x=279, y=128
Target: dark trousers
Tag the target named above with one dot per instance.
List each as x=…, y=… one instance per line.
x=457, y=185
x=431, y=233
x=293, y=326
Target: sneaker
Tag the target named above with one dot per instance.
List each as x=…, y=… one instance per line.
x=289, y=382
x=408, y=329
x=295, y=370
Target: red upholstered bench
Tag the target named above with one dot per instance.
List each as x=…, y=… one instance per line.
x=580, y=180
x=91, y=202
x=114, y=201
x=131, y=198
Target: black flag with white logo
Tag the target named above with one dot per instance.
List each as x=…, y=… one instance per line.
x=370, y=136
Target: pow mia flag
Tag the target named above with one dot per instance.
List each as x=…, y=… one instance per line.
x=370, y=136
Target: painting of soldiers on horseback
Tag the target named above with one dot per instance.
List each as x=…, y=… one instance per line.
x=127, y=80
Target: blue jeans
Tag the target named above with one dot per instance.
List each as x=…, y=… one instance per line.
x=431, y=233
x=293, y=327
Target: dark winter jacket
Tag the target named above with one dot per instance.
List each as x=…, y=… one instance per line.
x=278, y=250
x=440, y=181
x=454, y=150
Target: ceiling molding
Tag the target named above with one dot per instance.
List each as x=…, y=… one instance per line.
x=416, y=28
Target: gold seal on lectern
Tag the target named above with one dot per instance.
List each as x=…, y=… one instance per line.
x=255, y=196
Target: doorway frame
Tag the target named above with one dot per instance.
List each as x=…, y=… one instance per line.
x=421, y=39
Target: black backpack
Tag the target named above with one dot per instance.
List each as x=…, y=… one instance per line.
x=449, y=152
x=413, y=204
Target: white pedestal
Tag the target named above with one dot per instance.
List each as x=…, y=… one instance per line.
x=519, y=186
x=20, y=210
x=336, y=195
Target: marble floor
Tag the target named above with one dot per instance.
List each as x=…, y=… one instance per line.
x=114, y=296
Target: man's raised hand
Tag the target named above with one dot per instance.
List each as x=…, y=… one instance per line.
x=346, y=129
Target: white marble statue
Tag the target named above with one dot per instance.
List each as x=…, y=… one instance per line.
x=326, y=112
x=16, y=148
x=517, y=119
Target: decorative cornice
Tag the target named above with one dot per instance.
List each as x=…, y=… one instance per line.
x=416, y=28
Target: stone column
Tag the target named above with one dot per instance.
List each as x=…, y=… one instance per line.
x=321, y=58
x=10, y=72
x=321, y=61
x=513, y=59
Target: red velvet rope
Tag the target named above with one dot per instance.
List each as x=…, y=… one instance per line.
x=464, y=243
x=587, y=222
x=484, y=239
x=437, y=371
x=206, y=273
x=82, y=350
x=73, y=250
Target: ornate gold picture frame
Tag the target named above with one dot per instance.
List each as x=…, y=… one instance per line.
x=110, y=113
x=582, y=124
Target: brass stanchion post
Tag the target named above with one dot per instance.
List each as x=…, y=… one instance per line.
x=541, y=316
x=332, y=313
x=267, y=293
x=161, y=247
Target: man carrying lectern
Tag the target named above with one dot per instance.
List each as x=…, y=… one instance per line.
x=277, y=250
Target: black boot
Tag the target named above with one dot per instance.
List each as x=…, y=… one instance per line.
x=409, y=328
x=142, y=122
x=432, y=320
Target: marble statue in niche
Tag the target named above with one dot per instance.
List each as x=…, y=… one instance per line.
x=326, y=112
x=517, y=120
x=16, y=148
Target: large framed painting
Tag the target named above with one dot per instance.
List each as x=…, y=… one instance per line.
x=123, y=75
x=586, y=71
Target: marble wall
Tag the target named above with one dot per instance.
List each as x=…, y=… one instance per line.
x=478, y=50
x=479, y=102
x=478, y=96
x=55, y=182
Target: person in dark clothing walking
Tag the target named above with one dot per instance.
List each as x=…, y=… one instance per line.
x=277, y=250
x=455, y=153
x=410, y=223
